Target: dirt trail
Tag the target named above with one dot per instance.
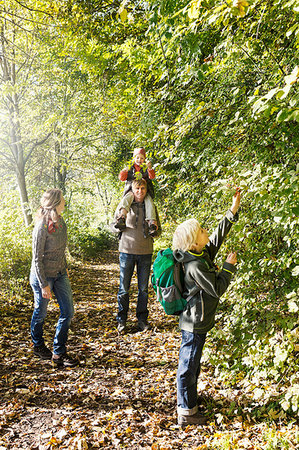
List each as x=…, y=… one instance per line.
x=123, y=395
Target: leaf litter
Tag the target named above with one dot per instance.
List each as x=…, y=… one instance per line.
x=123, y=394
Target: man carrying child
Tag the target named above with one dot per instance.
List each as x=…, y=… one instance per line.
x=135, y=249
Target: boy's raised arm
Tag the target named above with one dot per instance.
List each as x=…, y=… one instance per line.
x=217, y=237
x=236, y=202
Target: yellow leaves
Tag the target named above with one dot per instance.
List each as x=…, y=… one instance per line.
x=156, y=446
x=53, y=441
x=123, y=14
x=193, y=11
x=293, y=77
x=118, y=392
x=240, y=5
x=82, y=444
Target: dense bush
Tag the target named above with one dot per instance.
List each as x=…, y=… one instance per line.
x=86, y=240
x=89, y=243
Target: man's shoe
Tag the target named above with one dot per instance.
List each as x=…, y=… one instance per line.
x=64, y=360
x=120, y=223
x=42, y=352
x=195, y=419
x=121, y=327
x=143, y=326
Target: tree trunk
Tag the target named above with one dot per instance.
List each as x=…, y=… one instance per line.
x=24, y=197
x=60, y=170
x=12, y=103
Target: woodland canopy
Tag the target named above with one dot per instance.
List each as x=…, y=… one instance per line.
x=210, y=89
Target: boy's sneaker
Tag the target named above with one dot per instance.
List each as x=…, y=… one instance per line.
x=120, y=223
x=42, y=352
x=64, y=360
x=195, y=419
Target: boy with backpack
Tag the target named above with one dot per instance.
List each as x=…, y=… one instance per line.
x=203, y=286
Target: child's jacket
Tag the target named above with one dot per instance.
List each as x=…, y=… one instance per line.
x=132, y=174
x=203, y=282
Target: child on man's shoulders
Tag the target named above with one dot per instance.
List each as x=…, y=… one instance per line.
x=139, y=169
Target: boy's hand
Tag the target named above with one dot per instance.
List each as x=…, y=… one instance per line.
x=236, y=201
x=232, y=258
x=149, y=165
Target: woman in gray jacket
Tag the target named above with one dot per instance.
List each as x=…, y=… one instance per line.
x=49, y=274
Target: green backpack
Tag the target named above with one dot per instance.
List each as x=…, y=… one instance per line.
x=168, y=281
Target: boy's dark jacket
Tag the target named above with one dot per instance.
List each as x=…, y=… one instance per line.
x=203, y=282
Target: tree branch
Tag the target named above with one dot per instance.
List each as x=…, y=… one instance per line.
x=37, y=144
x=22, y=18
x=32, y=9
x=165, y=58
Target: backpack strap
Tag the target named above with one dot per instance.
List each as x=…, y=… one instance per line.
x=177, y=277
x=177, y=270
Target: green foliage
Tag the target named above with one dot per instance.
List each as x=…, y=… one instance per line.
x=89, y=243
x=15, y=244
x=256, y=339
x=86, y=239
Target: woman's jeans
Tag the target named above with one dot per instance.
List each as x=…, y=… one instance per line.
x=127, y=263
x=61, y=287
x=188, y=372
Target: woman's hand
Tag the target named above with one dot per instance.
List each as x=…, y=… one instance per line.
x=236, y=202
x=232, y=258
x=149, y=165
x=46, y=292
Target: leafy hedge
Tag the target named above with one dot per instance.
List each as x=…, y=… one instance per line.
x=255, y=341
x=15, y=244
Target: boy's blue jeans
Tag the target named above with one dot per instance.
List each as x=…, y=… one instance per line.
x=127, y=263
x=188, y=372
x=61, y=287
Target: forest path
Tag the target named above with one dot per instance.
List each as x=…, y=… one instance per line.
x=123, y=395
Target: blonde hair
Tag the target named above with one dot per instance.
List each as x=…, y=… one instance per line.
x=185, y=235
x=48, y=204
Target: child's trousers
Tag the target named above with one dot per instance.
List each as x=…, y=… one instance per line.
x=127, y=200
x=188, y=372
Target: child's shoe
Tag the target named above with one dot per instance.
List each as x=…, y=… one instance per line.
x=152, y=230
x=120, y=223
x=196, y=419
